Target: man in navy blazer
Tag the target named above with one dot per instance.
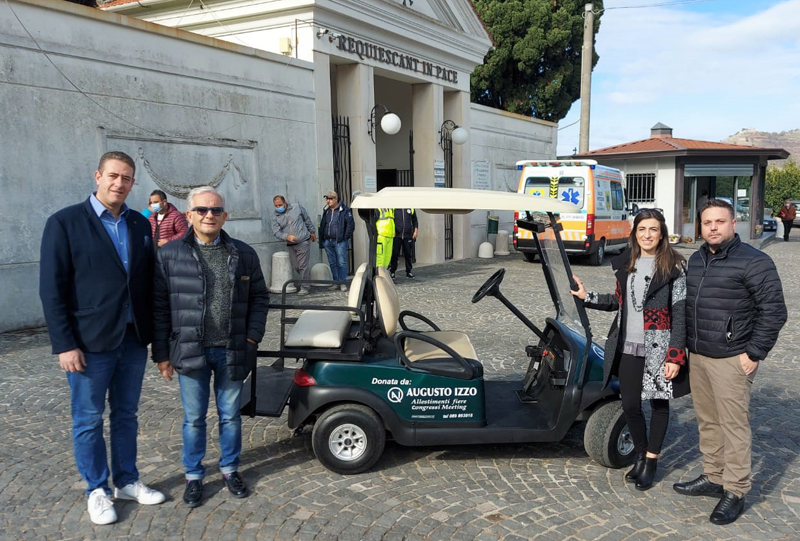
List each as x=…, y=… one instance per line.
x=96, y=275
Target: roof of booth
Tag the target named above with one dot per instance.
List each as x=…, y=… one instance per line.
x=457, y=201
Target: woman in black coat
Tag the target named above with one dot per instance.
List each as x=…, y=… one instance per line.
x=645, y=346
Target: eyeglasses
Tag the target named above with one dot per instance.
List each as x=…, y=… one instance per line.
x=329, y=198
x=215, y=211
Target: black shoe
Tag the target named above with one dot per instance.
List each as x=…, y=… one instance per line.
x=638, y=466
x=236, y=485
x=409, y=275
x=728, y=509
x=645, y=479
x=699, y=487
x=193, y=494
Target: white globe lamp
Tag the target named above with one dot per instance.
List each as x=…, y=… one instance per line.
x=390, y=123
x=460, y=136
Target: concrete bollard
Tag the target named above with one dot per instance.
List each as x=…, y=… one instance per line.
x=485, y=250
x=321, y=271
x=501, y=243
x=281, y=273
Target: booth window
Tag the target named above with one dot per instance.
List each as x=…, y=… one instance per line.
x=641, y=187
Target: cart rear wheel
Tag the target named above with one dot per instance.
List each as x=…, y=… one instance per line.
x=348, y=439
x=607, y=438
x=530, y=257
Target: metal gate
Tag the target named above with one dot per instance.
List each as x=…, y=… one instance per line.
x=447, y=146
x=342, y=172
x=405, y=177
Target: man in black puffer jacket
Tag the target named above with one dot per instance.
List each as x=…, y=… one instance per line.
x=210, y=310
x=734, y=312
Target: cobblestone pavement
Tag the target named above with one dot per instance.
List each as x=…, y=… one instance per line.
x=516, y=491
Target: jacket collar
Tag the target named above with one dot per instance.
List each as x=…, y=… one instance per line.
x=621, y=260
x=724, y=248
x=224, y=238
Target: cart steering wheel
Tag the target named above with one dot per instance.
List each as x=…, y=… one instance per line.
x=490, y=286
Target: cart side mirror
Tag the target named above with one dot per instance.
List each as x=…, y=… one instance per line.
x=633, y=209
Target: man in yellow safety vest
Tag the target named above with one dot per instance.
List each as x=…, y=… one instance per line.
x=385, y=226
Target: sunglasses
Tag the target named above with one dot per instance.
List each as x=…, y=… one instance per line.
x=326, y=197
x=215, y=211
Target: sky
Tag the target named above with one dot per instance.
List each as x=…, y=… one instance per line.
x=707, y=69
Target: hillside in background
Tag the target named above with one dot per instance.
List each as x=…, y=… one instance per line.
x=789, y=140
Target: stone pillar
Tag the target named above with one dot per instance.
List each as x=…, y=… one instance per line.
x=323, y=111
x=427, y=105
x=457, y=109
x=355, y=96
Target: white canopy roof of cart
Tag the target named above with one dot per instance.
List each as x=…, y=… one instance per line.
x=457, y=201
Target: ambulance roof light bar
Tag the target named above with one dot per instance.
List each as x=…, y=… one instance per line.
x=556, y=163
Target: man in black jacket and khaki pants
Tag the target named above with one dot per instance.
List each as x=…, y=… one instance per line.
x=734, y=312
x=210, y=309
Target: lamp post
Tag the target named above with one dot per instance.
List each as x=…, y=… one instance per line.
x=456, y=133
x=390, y=123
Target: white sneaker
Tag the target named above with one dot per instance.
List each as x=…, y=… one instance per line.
x=140, y=492
x=101, y=508
x=343, y=287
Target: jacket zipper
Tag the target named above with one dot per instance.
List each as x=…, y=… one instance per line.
x=203, y=277
x=706, y=265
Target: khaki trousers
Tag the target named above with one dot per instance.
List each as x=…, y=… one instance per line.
x=721, y=396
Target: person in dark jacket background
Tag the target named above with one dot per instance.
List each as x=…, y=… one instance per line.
x=734, y=312
x=210, y=311
x=787, y=214
x=336, y=229
x=406, y=227
x=646, y=344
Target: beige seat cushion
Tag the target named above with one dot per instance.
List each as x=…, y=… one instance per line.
x=417, y=350
x=319, y=329
x=355, y=287
x=388, y=305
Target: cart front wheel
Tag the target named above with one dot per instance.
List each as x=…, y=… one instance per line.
x=607, y=438
x=348, y=439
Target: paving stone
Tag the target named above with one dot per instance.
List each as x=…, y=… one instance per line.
x=486, y=492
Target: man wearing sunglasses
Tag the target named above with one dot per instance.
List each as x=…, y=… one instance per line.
x=210, y=310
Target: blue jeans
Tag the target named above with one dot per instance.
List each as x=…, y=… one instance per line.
x=119, y=373
x=337, y=258
x=194, y=396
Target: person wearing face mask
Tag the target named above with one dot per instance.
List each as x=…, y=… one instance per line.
x=787, y=215
x=166, y=221
x=292, y=224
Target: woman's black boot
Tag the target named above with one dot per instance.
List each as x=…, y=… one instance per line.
x=636, y=471
x=645, y=479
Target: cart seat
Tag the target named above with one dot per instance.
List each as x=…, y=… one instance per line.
x=429, y=357
x=319, y=329
x=421, y=354
x=326, y=328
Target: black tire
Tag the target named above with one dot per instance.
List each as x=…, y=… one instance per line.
x=599, y=255
x=607, y=439
x=348, y=439
x=530, y=257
